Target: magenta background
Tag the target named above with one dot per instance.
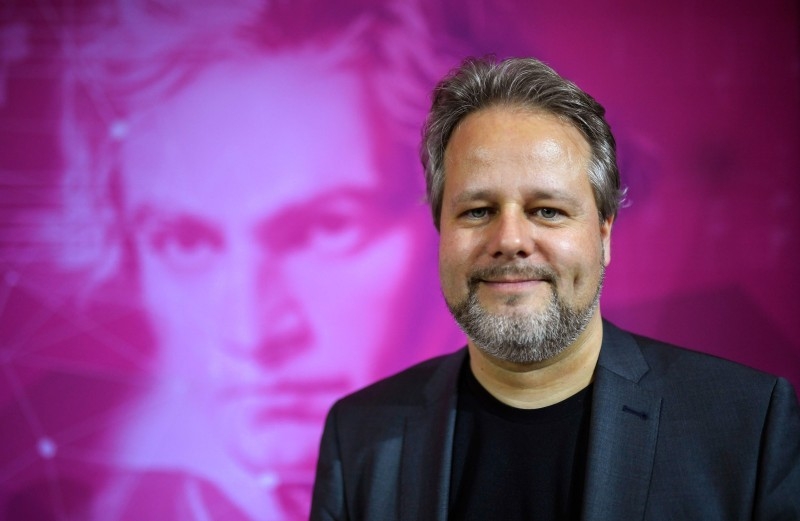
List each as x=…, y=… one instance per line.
x=704, y=98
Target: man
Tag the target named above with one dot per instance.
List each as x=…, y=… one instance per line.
x=550, y=412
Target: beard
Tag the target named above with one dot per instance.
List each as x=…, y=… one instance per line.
x=523, y=337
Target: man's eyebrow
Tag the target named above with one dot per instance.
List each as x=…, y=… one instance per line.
x=480, y=194
x=473, y=195
x=556, y=195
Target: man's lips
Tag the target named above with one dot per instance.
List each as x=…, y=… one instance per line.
x=511, y=280
x=513, y=273
x=512, y=285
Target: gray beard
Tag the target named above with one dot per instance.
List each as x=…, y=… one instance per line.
x=523, y=338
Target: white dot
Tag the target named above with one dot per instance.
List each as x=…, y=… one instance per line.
x=268, y=480
x=47, y=448
x=118, y=129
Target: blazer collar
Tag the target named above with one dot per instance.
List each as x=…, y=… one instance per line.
x=623, y=432
x=620, y=354
x=622, y=438
x=428, y=446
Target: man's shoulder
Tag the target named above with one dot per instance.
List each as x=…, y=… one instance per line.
x=695, y=388
x=679, y=370
x=666, y=358
x=409, y=386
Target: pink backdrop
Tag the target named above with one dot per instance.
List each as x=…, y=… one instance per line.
x=210, y=221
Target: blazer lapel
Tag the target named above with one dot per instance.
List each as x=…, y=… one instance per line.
x=426, y=460
x=622, y=440
x=623, y=433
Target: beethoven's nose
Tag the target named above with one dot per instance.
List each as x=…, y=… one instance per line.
x=264, y=321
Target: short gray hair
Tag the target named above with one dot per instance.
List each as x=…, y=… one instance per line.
x=526, y=82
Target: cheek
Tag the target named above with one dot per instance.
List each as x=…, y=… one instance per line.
x=577, y=258
x=453, y=257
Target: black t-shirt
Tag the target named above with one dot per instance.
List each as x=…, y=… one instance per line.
x=517, y=464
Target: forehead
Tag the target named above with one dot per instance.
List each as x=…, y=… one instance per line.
x=244, y=137
x=502, y=145
x=510, y=124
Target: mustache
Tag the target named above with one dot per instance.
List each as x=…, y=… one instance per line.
x=543, y=273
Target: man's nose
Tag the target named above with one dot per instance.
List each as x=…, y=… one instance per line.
x=511, y=235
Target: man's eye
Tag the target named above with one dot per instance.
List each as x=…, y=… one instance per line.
x=477, y=213
x=548, y=213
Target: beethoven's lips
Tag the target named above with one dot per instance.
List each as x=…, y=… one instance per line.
x=293, y=400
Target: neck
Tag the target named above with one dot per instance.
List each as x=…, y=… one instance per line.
x=533, y=386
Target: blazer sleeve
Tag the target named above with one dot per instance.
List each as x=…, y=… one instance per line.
x=778, y=486
x=327, y=500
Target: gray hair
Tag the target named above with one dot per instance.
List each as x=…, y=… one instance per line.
x=483, y=82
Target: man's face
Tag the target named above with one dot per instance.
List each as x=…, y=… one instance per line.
x=522, y=249
x=266, y=263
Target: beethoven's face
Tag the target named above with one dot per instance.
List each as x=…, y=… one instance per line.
x=521, y=242
x=266, y=262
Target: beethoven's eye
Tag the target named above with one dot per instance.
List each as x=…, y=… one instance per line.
x=338, y=225
x=183, y=243
x=329, y=230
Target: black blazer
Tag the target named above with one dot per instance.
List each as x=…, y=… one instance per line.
x=674, y=435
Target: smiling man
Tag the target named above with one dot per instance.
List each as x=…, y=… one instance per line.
x=550, y=412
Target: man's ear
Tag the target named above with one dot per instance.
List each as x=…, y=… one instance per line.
x=605, y=236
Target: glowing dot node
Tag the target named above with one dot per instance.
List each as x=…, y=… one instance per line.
x=118, y=130
x=47, y=448
x=268, y=480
